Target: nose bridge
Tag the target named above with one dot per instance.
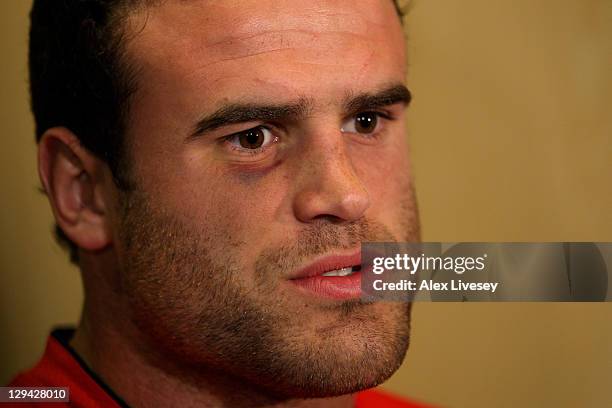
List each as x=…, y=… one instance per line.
x=329, y=184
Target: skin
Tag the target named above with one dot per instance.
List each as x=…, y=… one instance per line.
x=187, y=275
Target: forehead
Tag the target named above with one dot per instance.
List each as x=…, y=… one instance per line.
x=225, y=49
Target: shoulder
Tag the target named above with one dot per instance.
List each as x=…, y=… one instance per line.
x=61, y=367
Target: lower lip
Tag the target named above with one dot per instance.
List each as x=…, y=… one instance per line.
x=335, y=287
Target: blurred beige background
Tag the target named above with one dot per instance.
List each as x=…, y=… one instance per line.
x=511, y=129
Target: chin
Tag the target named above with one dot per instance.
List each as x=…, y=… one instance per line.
x=346, y=359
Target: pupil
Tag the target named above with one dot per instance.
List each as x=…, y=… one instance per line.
x=366, y=122
x=252, y=139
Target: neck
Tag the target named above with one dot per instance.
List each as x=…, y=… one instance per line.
x=114, y=349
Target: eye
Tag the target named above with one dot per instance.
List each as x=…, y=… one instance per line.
x=252, y=140
x=363, y=123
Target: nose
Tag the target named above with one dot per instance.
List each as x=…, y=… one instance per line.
x=328, y=186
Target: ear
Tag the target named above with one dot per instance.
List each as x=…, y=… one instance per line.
x=74, y=180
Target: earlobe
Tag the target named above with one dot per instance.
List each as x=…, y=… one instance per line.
x=73, y=180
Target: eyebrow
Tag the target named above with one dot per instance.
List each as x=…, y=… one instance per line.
x=386, y=97
x=247, y=112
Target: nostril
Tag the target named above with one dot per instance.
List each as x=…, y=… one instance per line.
x=330, y=218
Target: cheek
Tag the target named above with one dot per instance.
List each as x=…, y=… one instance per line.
x=385, y=172
x=387, y=176
x=238, y=207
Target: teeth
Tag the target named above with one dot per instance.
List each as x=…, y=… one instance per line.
x=340, y=272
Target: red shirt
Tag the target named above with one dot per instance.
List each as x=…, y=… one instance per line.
x=60, y=366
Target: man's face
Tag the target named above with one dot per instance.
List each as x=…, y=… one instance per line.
x=266, y=136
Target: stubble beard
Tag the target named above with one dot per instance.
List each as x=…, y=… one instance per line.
x=189, y=299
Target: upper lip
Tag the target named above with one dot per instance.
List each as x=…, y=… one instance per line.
x=328, y=263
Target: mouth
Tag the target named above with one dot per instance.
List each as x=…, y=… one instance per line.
x=335, y=276
x=348, y=271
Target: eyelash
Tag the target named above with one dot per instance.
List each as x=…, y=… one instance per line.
x=382, y=114
x=387, y=116
x=250, y=152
